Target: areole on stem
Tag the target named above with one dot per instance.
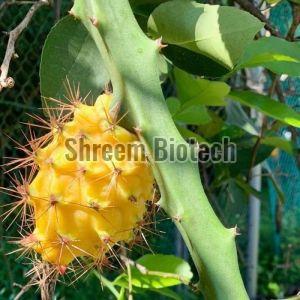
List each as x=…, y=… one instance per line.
x=132, y=59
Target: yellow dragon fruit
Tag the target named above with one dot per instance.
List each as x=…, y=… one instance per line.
x=83, y=202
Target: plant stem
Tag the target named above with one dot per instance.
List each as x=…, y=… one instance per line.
x=211, y=245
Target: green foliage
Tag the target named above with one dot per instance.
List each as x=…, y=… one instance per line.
x=188, y=114
x=193, y=91
x=204, y=40
x=194, y=63
x=275, y=54
x=71, y=56
x=268, y=106
x=160, y=271
x=273, y=2
x=189, y=134
x=144, y=7
x=218, y=32
x=279, y=142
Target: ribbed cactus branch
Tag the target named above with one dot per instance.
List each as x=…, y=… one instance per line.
x=132, y=59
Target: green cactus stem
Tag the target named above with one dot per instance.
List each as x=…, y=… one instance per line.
x=132, y=59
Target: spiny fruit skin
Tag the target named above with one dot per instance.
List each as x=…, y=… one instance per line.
x=82, y=207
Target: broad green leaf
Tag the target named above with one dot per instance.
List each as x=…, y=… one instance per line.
x=192, y=90
x=268, y=106
x=244, y=155
x=173, y=105
x=194, y=63
x=219, y=32
x=193, y=115
x=188, y=134
x=167, y=293
x=213, y=127
x=279, y=142
x=236, y=115
x=275, y=54
x=109, y=284
x=122, y=295
x=244, y=158
x=232, y=131
x=144, y=7
x=167, y=268
x=188, y=114
x=122, y=281
x=273, y=2
x=166, y=264
x=71, y=56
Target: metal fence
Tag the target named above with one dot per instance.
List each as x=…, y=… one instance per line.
x=25, y=69
x=15, y=103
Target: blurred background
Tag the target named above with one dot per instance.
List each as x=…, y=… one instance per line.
x=279, y=245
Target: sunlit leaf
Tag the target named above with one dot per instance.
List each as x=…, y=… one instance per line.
x=275, y=54
x=193, y=115
x=188, y=114
x=192, y=90
x=167, y=269
x=278, y=142
x=268, y=106
x=219, y=32
x=188, y=134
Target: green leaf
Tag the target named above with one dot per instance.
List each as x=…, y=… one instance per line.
x=235, y=115
x=142, y=10
x=194, y=63
x=244, y=155
x=219, y=32
x=193, y=115
x=279, y=142
x=268, y=106
x=192, y=90
x=275, y=54
x=145, y=6
x=273, y=2
x=167, y=293
x=167, y=264
x=107, y=283
x=188, y=134
x=212, y=128
x=167, y=270
x=173, y=105
x=69, y=52
x=122, y=295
